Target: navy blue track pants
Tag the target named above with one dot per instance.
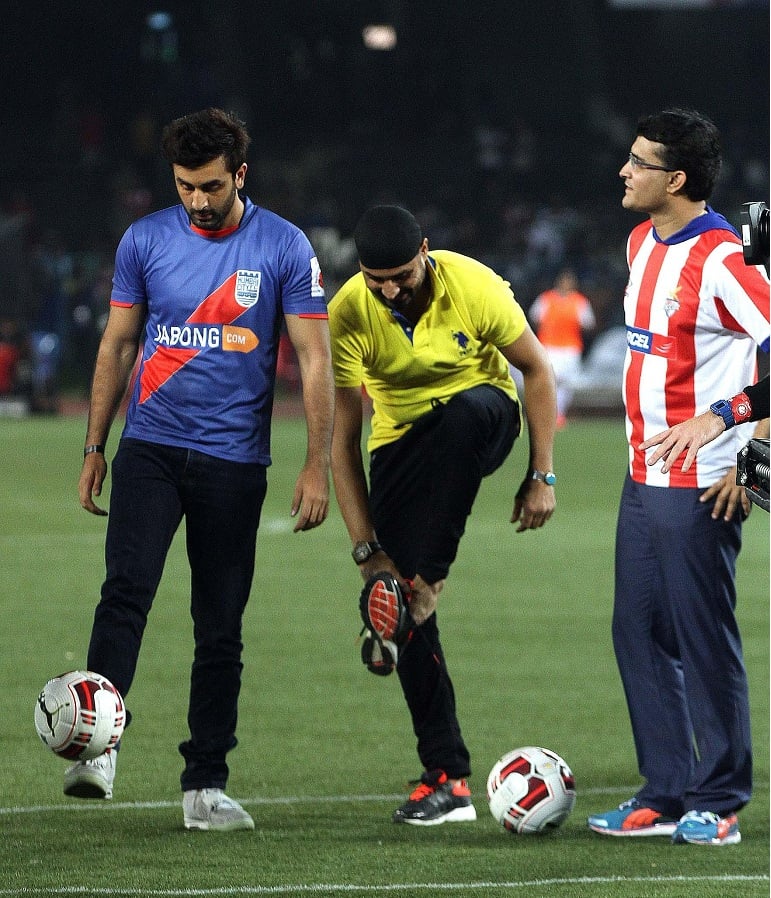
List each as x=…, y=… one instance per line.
x=679, y=651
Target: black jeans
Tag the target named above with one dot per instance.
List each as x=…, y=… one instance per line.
x=153, y=487
x=422, y=489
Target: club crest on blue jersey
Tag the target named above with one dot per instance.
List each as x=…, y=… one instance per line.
x=247, y=290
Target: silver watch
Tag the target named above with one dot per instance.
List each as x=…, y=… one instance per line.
x=363, y=551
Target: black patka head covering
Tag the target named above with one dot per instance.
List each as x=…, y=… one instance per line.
x=387, y=237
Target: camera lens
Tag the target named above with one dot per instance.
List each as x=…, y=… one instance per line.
x=763, y=228
x=755, y=233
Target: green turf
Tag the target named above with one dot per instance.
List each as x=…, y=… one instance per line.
x=326, y=748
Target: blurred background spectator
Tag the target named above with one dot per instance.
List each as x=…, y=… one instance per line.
x=563, y=318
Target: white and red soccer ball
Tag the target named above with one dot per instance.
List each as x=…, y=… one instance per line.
x=79, y=715
x=531, y=790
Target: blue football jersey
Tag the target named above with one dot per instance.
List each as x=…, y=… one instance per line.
x=215, y=306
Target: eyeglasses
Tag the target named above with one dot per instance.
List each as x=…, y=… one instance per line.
x=637, y=163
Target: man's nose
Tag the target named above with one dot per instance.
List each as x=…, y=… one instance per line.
x=200, y=200
x=390, y=289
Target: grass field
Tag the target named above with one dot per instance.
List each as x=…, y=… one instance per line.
x=326, y=748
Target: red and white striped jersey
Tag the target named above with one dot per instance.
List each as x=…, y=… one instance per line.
x=695, y=315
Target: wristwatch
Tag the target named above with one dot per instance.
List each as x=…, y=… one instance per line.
x=741, y=408
x=363, y=551
x=547, y=477
x=722, y=408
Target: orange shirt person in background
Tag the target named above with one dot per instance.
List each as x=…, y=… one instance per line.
x=561, y=318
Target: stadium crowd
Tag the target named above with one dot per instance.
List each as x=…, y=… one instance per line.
x=491, y=196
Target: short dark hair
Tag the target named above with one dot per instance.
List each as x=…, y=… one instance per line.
x=196, y=139
x=387, y=237
x=691, y=144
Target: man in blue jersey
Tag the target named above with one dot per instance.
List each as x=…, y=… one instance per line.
x=200, y=290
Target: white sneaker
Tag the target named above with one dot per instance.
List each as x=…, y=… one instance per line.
x=212, y=809
x=91, y=779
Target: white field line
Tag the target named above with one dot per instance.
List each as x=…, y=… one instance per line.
x=102, y=806
x=433, y=888
x=352, y=888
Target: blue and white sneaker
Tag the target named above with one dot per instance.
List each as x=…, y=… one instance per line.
x=707, y=828
x=632, y=819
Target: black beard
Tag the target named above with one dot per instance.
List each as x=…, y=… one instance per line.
x=217, y=219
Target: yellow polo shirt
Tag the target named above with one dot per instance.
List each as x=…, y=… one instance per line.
x=453, y=347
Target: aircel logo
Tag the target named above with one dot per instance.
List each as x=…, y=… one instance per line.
x=228, y=337
x=640, y=340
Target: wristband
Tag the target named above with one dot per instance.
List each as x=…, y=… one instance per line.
x=741, y=407
x=95, y=447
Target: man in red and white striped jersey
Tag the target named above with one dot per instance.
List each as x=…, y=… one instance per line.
x=695, y=316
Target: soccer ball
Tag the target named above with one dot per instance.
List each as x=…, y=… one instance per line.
x=530, y=790
x=79, y=715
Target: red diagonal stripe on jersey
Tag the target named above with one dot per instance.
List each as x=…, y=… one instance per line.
x=162, y=364
x=219, y=307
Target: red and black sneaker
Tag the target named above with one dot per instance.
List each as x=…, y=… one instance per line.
x=384, y=607
x=437, y=800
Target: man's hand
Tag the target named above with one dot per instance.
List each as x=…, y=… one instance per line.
x=380, y=561
x=423, y=599
x=691, y=435
x=92, y=477
x=310, y=503
x=534, y=505
x=728, y=497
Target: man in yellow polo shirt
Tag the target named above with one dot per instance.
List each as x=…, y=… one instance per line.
x=430, y=336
